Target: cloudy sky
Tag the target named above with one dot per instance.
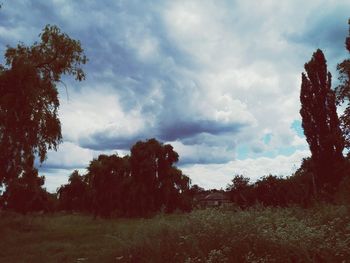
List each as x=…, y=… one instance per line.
x=218, y=80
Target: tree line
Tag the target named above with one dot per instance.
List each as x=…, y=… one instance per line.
x=137, y=185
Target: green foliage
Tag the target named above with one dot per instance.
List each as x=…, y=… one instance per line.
x=74, y=195
x=320, y=234
x=25, y=194
x=29, y=124
x=343, y=92
x=320, y=122
x=108, y=181
x=142, y=184
x=342, y=195
x=241, y=192
x=274, y=191
x=157, y=182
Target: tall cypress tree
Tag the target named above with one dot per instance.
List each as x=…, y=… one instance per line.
x=320, y=120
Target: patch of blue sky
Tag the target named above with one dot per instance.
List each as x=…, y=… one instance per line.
x=296, y=126
x=242, y=152
x=267, y=138
x=245, y=152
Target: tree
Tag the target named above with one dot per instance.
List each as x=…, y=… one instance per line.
x=240, y=190
x=174, y=191
x=74, y=195
x=25, y=194
x=148, y=168
x=108, y=183
x=136, y=185
x=320, y=120
x=29, y=124
x=343, y=92
x=156, y=182
x=239, y=182
x=269, y=191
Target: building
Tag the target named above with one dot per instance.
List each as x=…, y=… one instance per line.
x=215, y=199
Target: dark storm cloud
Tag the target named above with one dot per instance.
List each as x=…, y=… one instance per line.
x=100, y=141
x=211, y=140
x=187, y=129
x=326, y=30
x=190, y=132
x=205, y=158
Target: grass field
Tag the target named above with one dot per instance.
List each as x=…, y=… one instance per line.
x=320, y=234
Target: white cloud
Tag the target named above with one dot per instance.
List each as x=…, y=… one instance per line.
x=56, y=177
x=92, y=110
x=203, y=153
x=219, y=175
x=69, y=155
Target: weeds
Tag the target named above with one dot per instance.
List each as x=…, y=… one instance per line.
x=319, y=234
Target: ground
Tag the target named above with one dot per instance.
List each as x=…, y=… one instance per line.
x=319, y=234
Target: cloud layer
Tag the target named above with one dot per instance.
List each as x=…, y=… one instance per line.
x=219, y=81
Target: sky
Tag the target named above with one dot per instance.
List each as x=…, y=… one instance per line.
x=218, y=80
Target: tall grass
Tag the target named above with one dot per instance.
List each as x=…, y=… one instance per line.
x=320, y=234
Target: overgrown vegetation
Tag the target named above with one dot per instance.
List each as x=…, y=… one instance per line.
x=298, y=189
x=320, y=234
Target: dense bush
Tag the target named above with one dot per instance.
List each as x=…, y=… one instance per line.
x=298, y=189
x=25, y=194
x=320, y=234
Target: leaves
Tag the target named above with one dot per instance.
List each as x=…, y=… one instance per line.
x=139, y=185
x=343, y=92
x=320, y=120
x=29, y=123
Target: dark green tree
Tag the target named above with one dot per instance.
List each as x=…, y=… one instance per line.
x=320, y=121
x=145, y=162
x=29, y=124
x=25, y=194
x=240, y=191
x=268, y=191
x=138, y=185
x=74, y=196
x=173, y=191
x=343, y=92
x=156, y=182
x=108, y=180
x=302, y=187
